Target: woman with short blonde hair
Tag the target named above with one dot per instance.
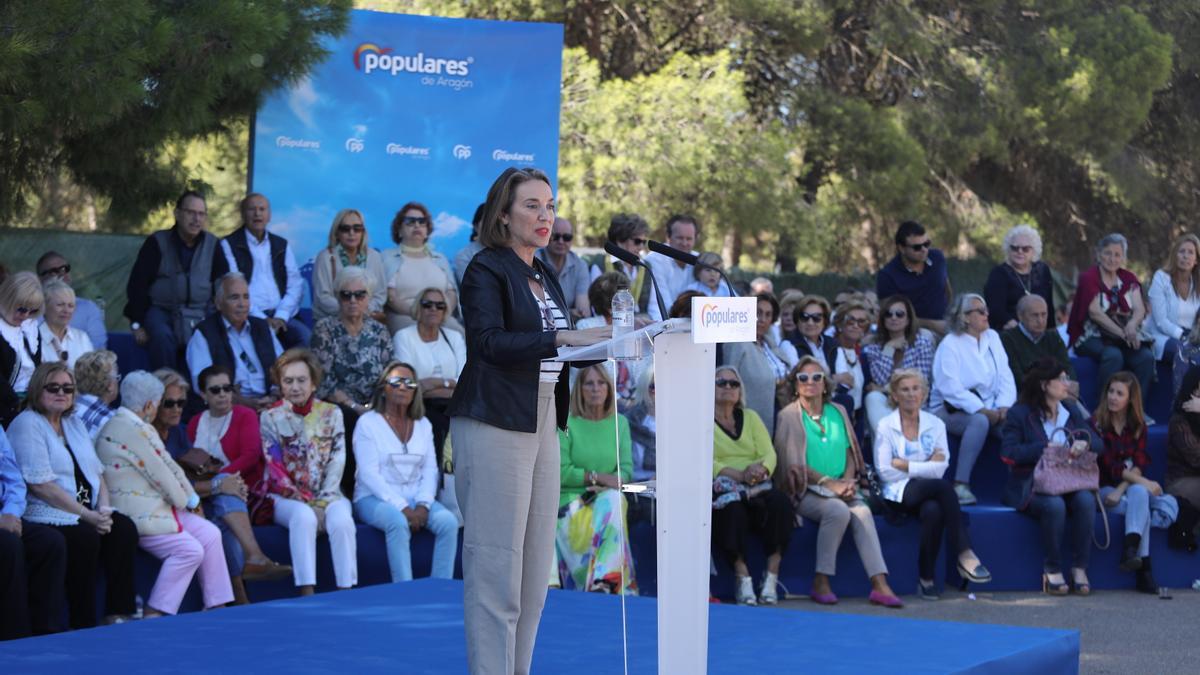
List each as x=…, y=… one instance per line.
x=347, y=249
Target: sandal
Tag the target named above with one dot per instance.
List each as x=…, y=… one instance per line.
x=268, y=571
x=1080, y=587
x=1054, y=589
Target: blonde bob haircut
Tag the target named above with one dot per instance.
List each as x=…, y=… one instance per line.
x=22, y=290
x=577, y=405
x=901, y=374
x=737, y=375
x=806, y=360
x=416, y=408
x=337, y=220
x=500, y=199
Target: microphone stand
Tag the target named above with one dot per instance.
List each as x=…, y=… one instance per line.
x=631, y=259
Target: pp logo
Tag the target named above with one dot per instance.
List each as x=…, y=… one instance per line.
x=462, y=152
x=354, y=145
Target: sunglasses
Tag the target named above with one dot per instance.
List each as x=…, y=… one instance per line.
x=562, y=236
x=896, y=314
x=805, y=317
x=414, y=220
x=857, y=321
x=352, y=295
x=28, y=310
x=55, y=271
x=169, y=403
x=921, y=245
x=347, y=228
x=977, y=310
x=220, y=389
x=805, y=378
x=60, y=389
x=639, y=242
x=396, y=382
x=1020, y=249
x=729, y=384
x=432, y=304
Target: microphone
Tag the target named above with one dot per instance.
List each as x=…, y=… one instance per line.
x=689, y=259
x=631, y=259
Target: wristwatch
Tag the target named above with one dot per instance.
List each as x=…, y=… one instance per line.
x=135, y=326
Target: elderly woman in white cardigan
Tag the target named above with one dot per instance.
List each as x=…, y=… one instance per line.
x=911, y=456
x=147, y=485
x=438, y=356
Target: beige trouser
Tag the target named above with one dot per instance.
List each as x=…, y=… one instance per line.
x=832, y=516
x=508, y=488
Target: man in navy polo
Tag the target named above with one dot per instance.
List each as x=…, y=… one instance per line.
x=918, y=272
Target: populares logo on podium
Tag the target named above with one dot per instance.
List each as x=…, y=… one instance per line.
x=370, y=58
x=723, y=319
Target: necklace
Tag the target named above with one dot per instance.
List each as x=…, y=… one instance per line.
x=816, y=419
x=402, y=428
x=1026, y=280
x=847, y=354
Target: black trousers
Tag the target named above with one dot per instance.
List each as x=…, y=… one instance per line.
x=435, y=410
x=86, y=550
x=32, y=567
x=769, y=515
x=934, y=502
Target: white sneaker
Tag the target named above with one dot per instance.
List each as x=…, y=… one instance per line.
x=769, y=595
x=745, y=592
x=964, y=494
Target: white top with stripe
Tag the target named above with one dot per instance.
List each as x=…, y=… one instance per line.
x=549, y=308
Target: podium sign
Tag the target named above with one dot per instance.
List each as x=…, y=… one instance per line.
x=723, y=319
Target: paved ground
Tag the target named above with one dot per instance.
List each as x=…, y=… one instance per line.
x=1122, y=631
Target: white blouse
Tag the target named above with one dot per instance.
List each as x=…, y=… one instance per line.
x=75, y=344
x=18, y=337
x=401, y=474
x=444, y=357
x=44, y=458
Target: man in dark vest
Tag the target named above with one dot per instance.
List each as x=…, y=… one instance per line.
x=242, y=343
x=170, y=285
x=267, y=261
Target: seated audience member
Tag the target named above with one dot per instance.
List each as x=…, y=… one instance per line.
x=629, y=231
x=918, y=272
x=590, y=500
x=21, y=348
x=148, y=486
x=762, y=365
x=1023, y=274
x=413, y=266
x=347, y=248
x=437, y=355
x=911, y=455
x=896, y=344
x=171, y=283
x=973, y=386
x=268, y=263
x=600, y=296
x=1187, y=357
x=788, y=330
x=761, y=285
x=1031, y=339
x=643, y=428
x=305, y=444
x=96, y=380
x=820, y=466
x=851, y=322
x=68, y=492
x=168, y=418
x=1124, y=486
x=1034, y=423
x=397, y=475
x=682, y=307
x=1107, y=315
x=236, y=340
x=88, y=316
x=61, y=341
x=33, y=560
x=229, y=434
x=1175, y=297
x=745, y=501
x=467, y=253
x=572, y=271
x=1183, y=447
x=683, y=233
x=708, y=281
x=351, y=346
x=812, y=316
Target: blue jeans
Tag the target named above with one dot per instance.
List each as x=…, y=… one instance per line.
x=1051, y=512
x=163, y=349
x=385, y=516
x=1112, y=359
x=1143, y=511
x=215, y=508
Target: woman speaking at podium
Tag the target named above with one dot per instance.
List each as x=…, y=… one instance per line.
x=506, y=410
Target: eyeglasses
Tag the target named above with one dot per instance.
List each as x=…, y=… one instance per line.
x=729, y=384
x=55, y=388
x=352, y=295
x=245, y=359
x=1064, y=378
x=639, y=242
x=55, y=271
x=896, y=314
x=921, y=245
x=27, y=311
x=805, y=317
x=396, y=382
x=169, y=403
x=980, y=310
x=562, y=236
x=805, y=378
x=432, y=304
x=414, y=220
x=347, y=228
x=1020, y=249
x=856, y=320
x=220, y=389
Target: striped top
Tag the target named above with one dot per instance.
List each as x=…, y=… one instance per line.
x=552, y=319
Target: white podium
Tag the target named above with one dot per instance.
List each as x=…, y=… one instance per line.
x=683, y=374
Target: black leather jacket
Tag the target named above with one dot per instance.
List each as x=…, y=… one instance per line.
x=506, y=343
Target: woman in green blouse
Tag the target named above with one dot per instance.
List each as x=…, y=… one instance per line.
x=820, y=466
x=591, y=542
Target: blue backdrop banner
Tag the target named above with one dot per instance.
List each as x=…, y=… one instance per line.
x=408, y=108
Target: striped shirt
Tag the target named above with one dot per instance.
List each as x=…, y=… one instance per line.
x=552, y=320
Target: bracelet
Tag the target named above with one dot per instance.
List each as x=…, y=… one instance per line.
x=591, y=477
x=822, y=480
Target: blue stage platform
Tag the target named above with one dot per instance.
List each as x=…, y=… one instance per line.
x=416, y=627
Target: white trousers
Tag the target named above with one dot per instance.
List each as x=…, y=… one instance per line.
x=301, y=523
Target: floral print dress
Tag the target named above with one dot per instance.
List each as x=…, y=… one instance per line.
x=305, y=453
x=351, y=362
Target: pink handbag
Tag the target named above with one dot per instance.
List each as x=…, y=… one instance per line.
x=1058, y=473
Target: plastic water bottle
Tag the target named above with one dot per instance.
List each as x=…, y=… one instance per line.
x=623, y=307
